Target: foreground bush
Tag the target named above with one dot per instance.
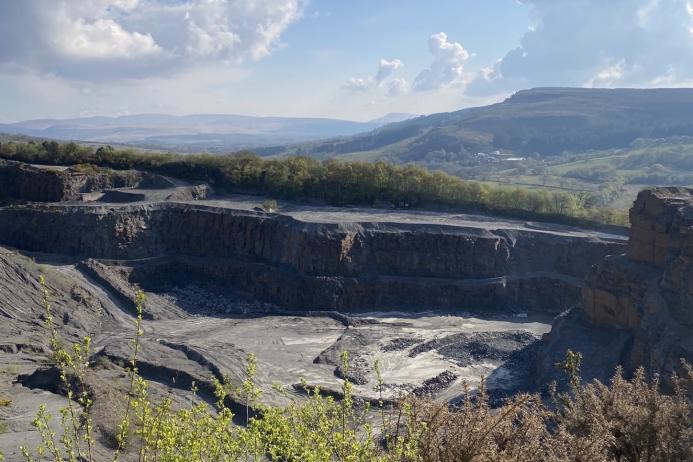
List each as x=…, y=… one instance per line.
x=334, y=182
x=626, y=420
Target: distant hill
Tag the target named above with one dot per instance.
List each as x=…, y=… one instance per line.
x=541, y=121
x=393, y=117
x=198, y=132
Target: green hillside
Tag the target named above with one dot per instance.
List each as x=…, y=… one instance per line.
x=542, y=121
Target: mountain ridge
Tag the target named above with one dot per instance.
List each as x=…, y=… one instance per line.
x=546, y=121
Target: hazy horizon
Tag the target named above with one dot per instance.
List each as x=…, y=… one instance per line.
x=211, y=114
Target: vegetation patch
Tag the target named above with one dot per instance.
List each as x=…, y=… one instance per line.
x=270, y=205
x=333, y=182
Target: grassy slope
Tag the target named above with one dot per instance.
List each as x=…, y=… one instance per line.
x=545, y=120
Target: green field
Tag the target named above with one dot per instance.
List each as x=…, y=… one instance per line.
x=612, y=177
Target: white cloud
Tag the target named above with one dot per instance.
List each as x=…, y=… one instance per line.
x=607, y=77
x=597, y=43
x=102, y=39
x=359, y=83
x=398, y=86
x=447, y=68
x=106, y=39
x=386, y=67
x=645, y=11
x=238, y=29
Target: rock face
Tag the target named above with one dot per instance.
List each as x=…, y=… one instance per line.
x=321, y=265
x=638, y=306
x=164, y=229
x=662, y=235
x=20, y=182
x=656, y=273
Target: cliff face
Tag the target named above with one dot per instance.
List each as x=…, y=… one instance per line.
x=323, y=265
x=656, y=273
x=640, y=304
x=160, y=228
x=20, y=182
x=662, y=235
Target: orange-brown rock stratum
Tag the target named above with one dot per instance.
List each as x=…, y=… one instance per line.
x=638, y=306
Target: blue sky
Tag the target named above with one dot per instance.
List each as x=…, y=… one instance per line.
x=352, y=59
x=337, y=40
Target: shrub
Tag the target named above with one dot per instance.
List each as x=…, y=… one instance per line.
x=270, y=205
x=627, y=420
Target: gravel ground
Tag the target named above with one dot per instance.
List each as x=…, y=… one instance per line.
x=399, y=344
x=468, y=349
x=436, y=384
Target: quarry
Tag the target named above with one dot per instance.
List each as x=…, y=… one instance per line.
x=439, y=299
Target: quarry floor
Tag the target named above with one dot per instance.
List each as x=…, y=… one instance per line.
x=287, y=348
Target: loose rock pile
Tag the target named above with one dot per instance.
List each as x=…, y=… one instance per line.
x=467, y=349
x=398, y=344
x=201, y=300
x=436, y=384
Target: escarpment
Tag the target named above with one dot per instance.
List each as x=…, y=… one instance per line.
x=656, y=272
x=322, y=265
x=637, y=307
x=20, y=182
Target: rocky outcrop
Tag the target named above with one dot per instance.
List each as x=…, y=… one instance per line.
x=656, y=273
x=323, y=265
x=617, y=291
x=638, y=306
x=661, y=221
x=20, y=182
x=316, y=249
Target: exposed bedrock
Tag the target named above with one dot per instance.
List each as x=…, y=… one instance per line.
x=638, y=307
x=541, y=291
x=656, y=273
x=20, y=182
x=323, y=265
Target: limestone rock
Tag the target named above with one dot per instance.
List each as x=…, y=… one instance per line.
x=20, y=182
x=323, y=265
x=643, y=298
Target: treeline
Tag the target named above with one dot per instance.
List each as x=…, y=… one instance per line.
x=331, y=181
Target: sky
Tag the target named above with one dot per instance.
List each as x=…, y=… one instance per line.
x=347, y=59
